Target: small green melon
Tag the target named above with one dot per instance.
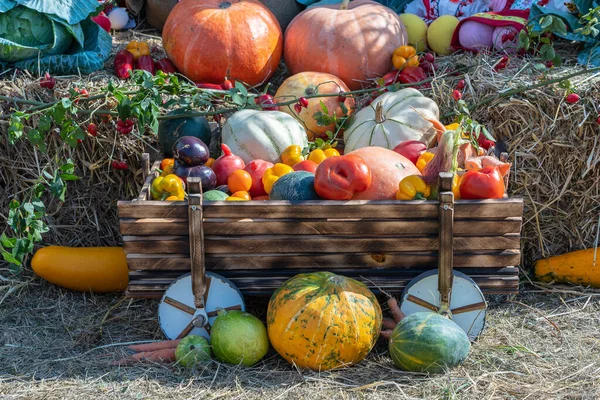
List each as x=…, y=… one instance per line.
x=215, y=195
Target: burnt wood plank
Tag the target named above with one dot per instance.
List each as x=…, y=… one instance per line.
x=466, y=209
x=179, y=262
x=366, y=228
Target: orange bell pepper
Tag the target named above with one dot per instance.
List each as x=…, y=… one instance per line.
x=405, y=56
x=138, y=49
x=166, y=166
x=239, y=196
x=423, y=160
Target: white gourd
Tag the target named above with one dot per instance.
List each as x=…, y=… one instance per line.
x=263, y=135
x=392, y=118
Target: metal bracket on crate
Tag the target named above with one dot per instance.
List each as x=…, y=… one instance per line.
x=446, y=235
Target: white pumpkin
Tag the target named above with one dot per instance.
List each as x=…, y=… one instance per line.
x=393, y=118
x=262, y=135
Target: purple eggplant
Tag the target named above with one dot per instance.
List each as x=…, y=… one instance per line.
x=207, y=175
x=191, y=151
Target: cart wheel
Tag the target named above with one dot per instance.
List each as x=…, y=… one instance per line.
x=177, y=315
x=467, y=304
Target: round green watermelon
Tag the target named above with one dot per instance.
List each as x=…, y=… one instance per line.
x=215, y=195
x=428, y=342
x=170, y=130
x=297, y=185
x=238, y=337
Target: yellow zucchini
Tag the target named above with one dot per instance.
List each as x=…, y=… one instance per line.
x=84, y=269
x=576, y=267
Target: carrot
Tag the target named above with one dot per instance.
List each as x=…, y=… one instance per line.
x=165, y=344
x=395, y=309
x=389, y=323
x=164, y=355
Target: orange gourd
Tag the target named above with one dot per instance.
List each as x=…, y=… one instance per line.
x=580, y=267
x=210, y=40
x=352, y=41
x=310, y=84
x=83, y=269
x=321, y=321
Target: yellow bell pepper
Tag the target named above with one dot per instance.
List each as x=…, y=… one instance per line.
x=451, y=127
x=138, y=49
x=239, y=196
x=423, y=160
x=272, y=174
x=455, y=189
x=292, y=155
x=169, y=187
x=405, y=56
x=318, y=155
x=413, y=188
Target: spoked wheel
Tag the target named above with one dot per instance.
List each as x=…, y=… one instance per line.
x=467, y=304
x=177, y=315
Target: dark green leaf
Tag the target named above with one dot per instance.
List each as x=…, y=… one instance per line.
x=7, y=242
x=240, y=86
x=546, y=21
x=9, y=258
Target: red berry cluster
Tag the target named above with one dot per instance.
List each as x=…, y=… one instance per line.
x=118, y=165
x=267, y=102
x=125, y=127
x=302, y=103
x=508, y=37
x=427, y=62
x=501, y=64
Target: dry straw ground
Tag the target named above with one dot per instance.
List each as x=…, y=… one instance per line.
x=542, y=344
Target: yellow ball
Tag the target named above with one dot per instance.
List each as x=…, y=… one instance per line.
x=416, y=29
x=439, y=34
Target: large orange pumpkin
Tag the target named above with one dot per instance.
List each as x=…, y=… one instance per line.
x=321, y=320
x=310, y=84
x=388, y=168
x=209, y=40
x=353, y=44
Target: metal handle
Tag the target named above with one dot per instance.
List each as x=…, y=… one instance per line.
x=196, y=230
x=446, y=235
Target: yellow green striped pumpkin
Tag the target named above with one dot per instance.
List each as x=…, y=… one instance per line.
x=322, y=321
x=428, y=342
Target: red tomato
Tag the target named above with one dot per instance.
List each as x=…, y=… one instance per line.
x=338, y=178
x=487, y=183
x=256, y=169
x=306, y=165
x=411, y=149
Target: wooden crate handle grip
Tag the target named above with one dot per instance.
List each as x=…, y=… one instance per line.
x=446, y=233
x=196, y=230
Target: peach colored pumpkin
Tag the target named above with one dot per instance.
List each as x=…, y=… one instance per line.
x=353, y=44
x=388, y=168
x=312, y=83
x=209, y=40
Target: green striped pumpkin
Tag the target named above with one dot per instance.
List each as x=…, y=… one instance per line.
x=262, y=135
x=428, y=342
x=393, y=118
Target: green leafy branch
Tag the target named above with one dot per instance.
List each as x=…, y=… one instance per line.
x=537, y=37
x=590, y=23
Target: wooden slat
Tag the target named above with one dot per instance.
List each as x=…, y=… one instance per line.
x=366, y=228
x=227, y=245
x=492, y=284
x=179, y=262
x=467, y=209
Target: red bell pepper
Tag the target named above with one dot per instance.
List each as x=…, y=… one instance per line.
x=487, y=183
x=390, y=78
x=123, y=64
x=165, y=65
x=411, y=149
x=212, y=86
x=412, y=75
x=146, y=63
x=339, y=178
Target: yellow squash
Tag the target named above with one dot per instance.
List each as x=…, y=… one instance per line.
x=576, y=267
x=84, y=269
x=321, y=321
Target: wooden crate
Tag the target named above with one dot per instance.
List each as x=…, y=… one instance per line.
x=260, y=244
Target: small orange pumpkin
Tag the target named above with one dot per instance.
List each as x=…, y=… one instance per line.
x=310, y=84
x=210, y=40
x=353, y=41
